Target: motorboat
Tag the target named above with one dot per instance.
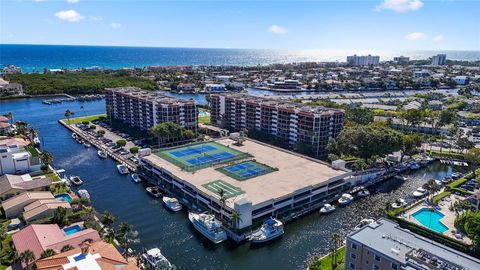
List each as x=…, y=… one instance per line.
x=102, y=154
x=420, y=192
x=400, y=177
x=363, y=193
x=399, y=203
x=154, y=191
x=75, y=180
x=363, y=223
x=36, y=141
x=74, y=136
x=208, y=226
x=136, y=178
x=447, y=180
x=327, y=209
x=122, y=168
x=172, y=204
x=456, y=175
x=155, y=259
x=83, y=193
x=271, y=229
x=87, y=144
x=345, y=199
x=438, y=182
x=414, y=166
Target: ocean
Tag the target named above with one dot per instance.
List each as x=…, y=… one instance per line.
x=37, y=57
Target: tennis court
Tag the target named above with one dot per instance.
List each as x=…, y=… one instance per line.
x=198, y=156
x=217, y=185
x=246, y=170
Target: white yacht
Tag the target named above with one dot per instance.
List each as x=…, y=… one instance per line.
x=87, y=144
x=154, y=191
x=399, y=177
x=122, y=168
x=172, y=204
x=345, y=199
x=363, y=193
x=83, y=193
x=270, y=230
x=399, y=203
x=74, y=136
x=102, y=154
x=75, y=180
x=136, y=178
x=155, y=259
x=420, y=192
x=364, y=222
x=327, y=209
x=208, y=226
x=36, y=141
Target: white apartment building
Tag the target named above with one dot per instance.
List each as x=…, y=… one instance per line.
x=363, y=60
x=439, y=59
x=16, y=160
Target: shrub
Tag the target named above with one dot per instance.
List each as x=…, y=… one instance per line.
x=121, y=142
x=85, y=122
x=93, y=127
x=134, y=150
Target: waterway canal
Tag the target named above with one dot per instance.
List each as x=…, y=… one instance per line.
x=172, y=232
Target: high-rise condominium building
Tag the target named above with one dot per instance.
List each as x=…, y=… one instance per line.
x=363, y=60
x=296, y=124
x=439, y=60
x=145, y=109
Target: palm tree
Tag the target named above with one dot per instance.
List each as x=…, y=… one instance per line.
x=66, y=248
x=126, y=236
x=68, y=114
x=235, y=217
x=46, y=158
x=21, y=127
x=108, y=219
x=33, y=133
x=48, y=253
x=335, y=240
x=60, y=216
x=221, y=194
x=27, y=257
x=432, y=188
x=9, y=115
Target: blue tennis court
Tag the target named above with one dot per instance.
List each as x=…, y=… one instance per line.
x=210, y=158
x=193, y=150
x=246, y=170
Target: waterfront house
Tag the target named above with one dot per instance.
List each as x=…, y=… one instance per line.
x=40, y=237
x=13, y=207
x=98, y=255
x=385, y=245
x=43, y=208
x=14, y=159
x=461, y=80
x=11, y=185
x=475, y=200
x=215, y=87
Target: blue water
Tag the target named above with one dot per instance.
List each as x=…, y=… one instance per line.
x=72, y=229
x=64, y=197
x=37, y=57
x=431, y=219
x=180, y=243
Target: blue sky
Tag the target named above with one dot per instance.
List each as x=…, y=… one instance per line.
x=374, y=24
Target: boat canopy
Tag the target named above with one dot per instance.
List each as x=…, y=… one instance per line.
x=271, y=222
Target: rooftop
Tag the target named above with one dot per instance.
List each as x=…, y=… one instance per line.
x=293, y=173
x=401, y=245
x=26, y=196
x=150, y=95
x=10, y=181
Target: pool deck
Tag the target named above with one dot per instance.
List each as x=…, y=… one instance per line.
x=448, y=220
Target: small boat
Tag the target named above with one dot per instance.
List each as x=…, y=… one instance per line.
x=83, y=193
x=345, y=199
x=87, y=144
x=36, y=141
x=136, y=178
x=154, y=191
x=208, y=226
x=438, y=182
x=155, y=259
x=447, y=180
x=414, y=166
x=74, y=136
x=363, y=223
x=420, y=192
x=102, y=154
x=122, y=168
x=399, y=203
x=363, y=193
x=80, y=141
x=327, y=209
x=456, y=175
x=399, y=177
x=172, y=204
x=271, y=229
x=76, y=180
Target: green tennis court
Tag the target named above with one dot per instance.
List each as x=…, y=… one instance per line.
x=217, y=185
x=197, y=156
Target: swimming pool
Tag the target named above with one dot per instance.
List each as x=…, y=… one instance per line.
x=72, y=229
x=431, y=219
x=63, y=197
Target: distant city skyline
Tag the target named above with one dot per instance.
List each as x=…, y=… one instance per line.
x=375, y=24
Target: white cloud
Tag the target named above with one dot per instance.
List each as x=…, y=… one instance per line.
x=416, y=36
x=276, y=29
x=400, y=5
x=38, y=1
x=438, y=38
x=115, y=25
x=69, y=15
x=94, y=18
x=73, y=1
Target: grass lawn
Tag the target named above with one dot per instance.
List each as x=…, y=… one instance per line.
x=32, y=150
x=326, y=262
x=204, y=120
x=53, y=176
x=88, y=118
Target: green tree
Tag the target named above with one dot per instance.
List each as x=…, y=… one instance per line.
x=188, y=134
x=432, y=188
x=134, y=150
x=410, y=144
x=412, y=117
x=21, y=127
x=464, y=143
x=359, y=115
x=47, y=253
x=66, y=248
x=108, y=219
x=221, y=194
x=46, y=158
x=121, y=143
x=473, y=156
x=69, y=114
x=27, y=257
x=60, y=216
x=236, y=218
x=166, y=132
x=472, y=228
x=127, y=236
x=335, y=241
x=9, y=115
